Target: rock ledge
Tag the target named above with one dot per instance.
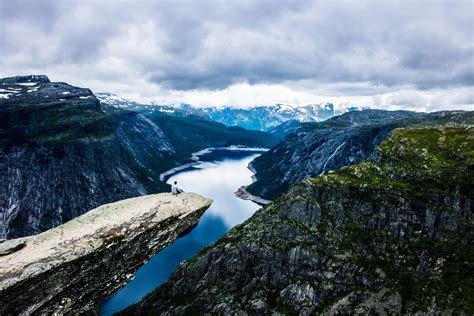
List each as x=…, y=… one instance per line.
x=72, y=267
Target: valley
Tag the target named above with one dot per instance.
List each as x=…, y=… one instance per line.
x=59, y=140
x=236, y=157
x=390, y=235
x=217, y=176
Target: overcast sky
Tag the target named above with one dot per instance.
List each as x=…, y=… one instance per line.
x=385, y=54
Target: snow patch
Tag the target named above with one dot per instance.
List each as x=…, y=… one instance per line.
x=166, y=110
x=27, y=84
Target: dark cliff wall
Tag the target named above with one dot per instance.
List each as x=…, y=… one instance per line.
x=390, y=235
x=60, y=156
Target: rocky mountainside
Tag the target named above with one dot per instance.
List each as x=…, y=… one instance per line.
x=69, y=269
x=317, y=148
x=62, y=153
x=264, y=118
x=391, y=235
x=280, y=131
x=191, y=133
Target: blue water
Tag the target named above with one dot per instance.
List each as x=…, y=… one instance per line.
x=219, y=175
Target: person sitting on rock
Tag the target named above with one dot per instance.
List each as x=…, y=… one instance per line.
x=174, y=188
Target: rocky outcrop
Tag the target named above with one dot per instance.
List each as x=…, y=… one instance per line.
x=71, y=268
x=317, y=148
x=391, y=235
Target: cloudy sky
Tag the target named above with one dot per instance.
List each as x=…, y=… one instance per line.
x=385, y=54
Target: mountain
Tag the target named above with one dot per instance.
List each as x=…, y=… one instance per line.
x=113, y=100
x=390, y=235
x=62, y=153
x=317, y=148
x=188, y=128
x=265, y=118
x=189, y=134
x=280, y=131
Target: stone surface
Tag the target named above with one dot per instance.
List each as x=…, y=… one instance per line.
x=72, y=267
x=391, y=235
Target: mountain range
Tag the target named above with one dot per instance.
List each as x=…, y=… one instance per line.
x=263, y=118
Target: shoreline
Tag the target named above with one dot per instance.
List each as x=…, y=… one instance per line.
x=195, y=159
x=245, y=195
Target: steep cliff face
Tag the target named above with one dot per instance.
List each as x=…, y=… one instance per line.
x=73, y=267
x=390, y=235
x=317, y=148
x=60, y=155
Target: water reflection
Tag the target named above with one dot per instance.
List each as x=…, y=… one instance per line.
x=217, y=177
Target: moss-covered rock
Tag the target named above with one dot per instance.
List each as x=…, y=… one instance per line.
x=318, y=148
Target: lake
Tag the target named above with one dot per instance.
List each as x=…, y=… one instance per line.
x=220, y=173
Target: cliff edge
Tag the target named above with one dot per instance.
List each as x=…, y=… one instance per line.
x=72, y=267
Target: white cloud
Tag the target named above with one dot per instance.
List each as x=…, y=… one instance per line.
x=403, y=54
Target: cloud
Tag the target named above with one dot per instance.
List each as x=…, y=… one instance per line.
x=178, y=49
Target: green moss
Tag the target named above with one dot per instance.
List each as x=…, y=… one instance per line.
x=435, y=159
x=112, y=239
x=448, y=277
